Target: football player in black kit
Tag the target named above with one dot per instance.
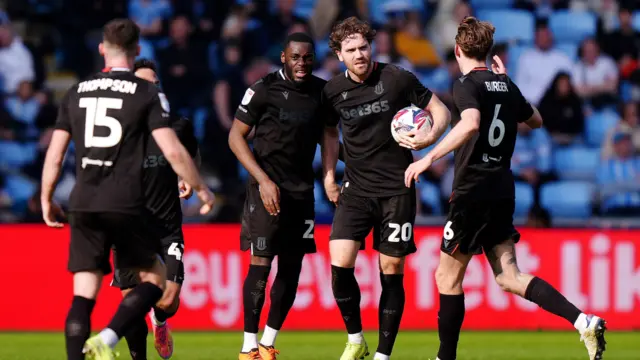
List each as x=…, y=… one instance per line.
x=488, y=110
x=110, y=116
x=164, y=223
x=373, y=196
x=285, y=112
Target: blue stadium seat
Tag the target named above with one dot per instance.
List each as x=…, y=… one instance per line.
x=242, y=172
x=379, y=8
x=19, y=189
x=636, y=21
x=524, y=198
x=491, y=4
x=598, y=124
x=16, y=155
x=430, y=196
x=304, y=8
x=567, y=199
x=569, y=49
x=572, y=26
x=576, y=163
x=322, y=205
x=514, y=52
x=511, y=25
x=200, y=116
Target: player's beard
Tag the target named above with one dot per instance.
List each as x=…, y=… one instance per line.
x=291, y=75
x=360, y=70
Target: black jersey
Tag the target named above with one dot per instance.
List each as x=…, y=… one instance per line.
x=375, y=163
x=483, y=164
x=288, y=123
x=160, y=181
x=110, y=117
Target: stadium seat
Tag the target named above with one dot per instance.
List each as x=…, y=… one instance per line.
x=511, y=25
x=636, y=21
x=514, y=52
x=19, y=189
x=576, y=163
x=378, y=8
x=567, y=199
x=304, y=8
x=569, y=49
x=16, y=155
x=598, y=124
x=572, y=26
x=322, y=205
x=430, y=196
x=491, y=4
x=524, y=199
x=200, y=116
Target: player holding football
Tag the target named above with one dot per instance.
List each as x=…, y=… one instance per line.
x=164, y=222
x=110, y=116
x=365, y=98
x=284, y=109
x=488, y=108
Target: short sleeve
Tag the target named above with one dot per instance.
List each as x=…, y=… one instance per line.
x=417, y=93
x=523, y=107
x=63, y=122
x=158, y=115
x=331, y=117
x=253, y=104
x=186, y=133
x=465, y=95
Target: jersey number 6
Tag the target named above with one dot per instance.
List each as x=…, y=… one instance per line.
x=96, y=115
x=496, y=124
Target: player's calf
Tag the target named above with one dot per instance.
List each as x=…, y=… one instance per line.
x=86, y=285
x=253, y=296
x=391, y=306
x=345, y=287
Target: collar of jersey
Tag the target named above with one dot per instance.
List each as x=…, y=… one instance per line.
x=112, y=69
x=480, y=68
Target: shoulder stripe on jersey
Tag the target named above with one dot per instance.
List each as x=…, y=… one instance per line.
x=282, y=74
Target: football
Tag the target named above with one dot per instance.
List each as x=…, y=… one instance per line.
x=410, y=118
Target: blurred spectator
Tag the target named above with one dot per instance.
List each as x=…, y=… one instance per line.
x=629, y=124
x=278, y=24
x=24, y=107
x=444, y=27
x=531, y=161
x=441, y=82
x=207, y=17
x=538, y=217
x=184, y=68
x=542, y=8
x=619, y=179
x=561, y=110
x=595, y=76
x=150, y=15
x=606, y=9
x=330, y=67
x=623, y=44
x=413, y=45
x=229, y=89
x=385, y=51
x=538, y=66
x=16, y=62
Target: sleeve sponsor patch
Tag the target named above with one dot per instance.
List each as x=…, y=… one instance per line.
x=164, y=102
x=247, y=97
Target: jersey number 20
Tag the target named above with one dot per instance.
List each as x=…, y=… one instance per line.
x=96, y=115
x=496, y=124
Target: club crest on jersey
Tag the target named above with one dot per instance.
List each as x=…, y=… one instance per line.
x=286, y=94
x=379, y=89
x=261, y=244
x=344, y=95
x=246, y=99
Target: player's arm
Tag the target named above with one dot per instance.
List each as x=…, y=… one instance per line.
x=330, y=149
x=188, y=139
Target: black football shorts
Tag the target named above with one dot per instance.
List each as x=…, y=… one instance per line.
x=290, y=232
x=93, y=234
x=474, y=226
x=391, y=218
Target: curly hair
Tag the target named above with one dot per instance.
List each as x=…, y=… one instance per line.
x=144, y=64
x=475, y=38
x=347, y=28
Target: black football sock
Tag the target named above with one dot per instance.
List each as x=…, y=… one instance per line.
x=450, y=318
x=346, y=291
x=547, y=297
x=78, y=326
x=137, y=339
x=390, y=311
x=135, y=305
x=283, y=292
x=160, y=315
x=253, y=293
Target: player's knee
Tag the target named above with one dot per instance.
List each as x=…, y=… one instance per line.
x=391, y=265
x=261, y=260
x=344, y=253
x=448, y=282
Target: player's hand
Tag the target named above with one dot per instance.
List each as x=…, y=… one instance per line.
x=270, y=195
x=497, y=66
x=185, y=189
x=416, y=139
x=414, y=170
x=333, y=191
x=208, y=199
x=51, y=212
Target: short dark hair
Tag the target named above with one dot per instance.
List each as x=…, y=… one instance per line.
x=350, y=27
x=122, y=33
x=475, y=38
x=144, y=64
x=299, y=37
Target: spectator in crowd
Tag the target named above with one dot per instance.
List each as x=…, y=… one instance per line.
x=184, y=68
x=150, y=15
x=330, y=67
x=229, y=89
x=207, y=17
x=618, y=179
x=538, y=66
x=607, y=10
x=385, y=50
x=561, y=109
x=16, y=62
x=24, y=107
x=441, y=81
x=444, y=27
x=623, y=44
x=542, y=8
x=629, y=124
x=531, y=161
x=414, y=46
x=279, y=24
x=595, y=76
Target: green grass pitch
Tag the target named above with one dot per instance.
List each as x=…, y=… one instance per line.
x=329, y=345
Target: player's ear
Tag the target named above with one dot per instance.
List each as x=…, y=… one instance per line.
x=339, y=56
x=282, y=59
x=101, y=49
x=457, y=51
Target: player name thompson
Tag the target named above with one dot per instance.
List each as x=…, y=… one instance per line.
x=122, y=86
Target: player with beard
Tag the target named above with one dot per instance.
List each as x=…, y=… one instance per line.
x=373, y=196
x=164, y=223
x=488, y=109
x=284, y=109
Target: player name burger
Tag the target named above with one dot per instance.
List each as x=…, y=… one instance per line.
x=116, y=85
x=499, y=86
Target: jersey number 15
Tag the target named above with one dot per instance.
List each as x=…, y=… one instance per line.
x=96, y=115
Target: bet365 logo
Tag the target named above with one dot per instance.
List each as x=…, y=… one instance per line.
x=366, y=109
x=152, y=161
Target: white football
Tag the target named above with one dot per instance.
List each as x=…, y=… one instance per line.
x=410, y=118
